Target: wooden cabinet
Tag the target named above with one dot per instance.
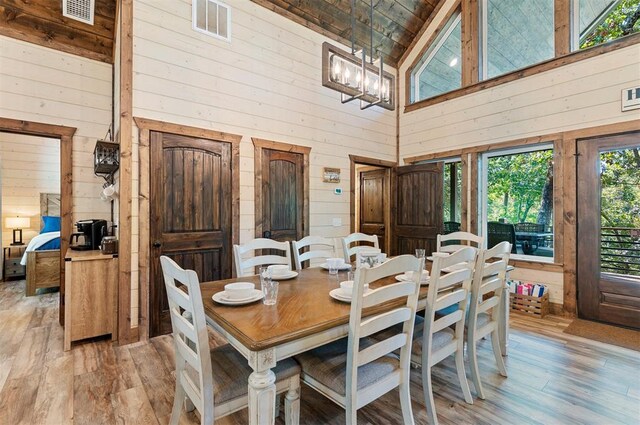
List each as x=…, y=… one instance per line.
x=91, y=292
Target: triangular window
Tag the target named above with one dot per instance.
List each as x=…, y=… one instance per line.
x=439, y=69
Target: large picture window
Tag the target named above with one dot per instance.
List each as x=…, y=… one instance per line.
x=517, y=199
x=516, y=34
x=439, y=69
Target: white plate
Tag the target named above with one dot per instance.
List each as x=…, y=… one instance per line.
x=285, y=276
x=337, y=294
x=221, y=298
x=403, y=278
x=345, y=266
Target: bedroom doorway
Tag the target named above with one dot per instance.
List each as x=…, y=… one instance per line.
x=35, y=179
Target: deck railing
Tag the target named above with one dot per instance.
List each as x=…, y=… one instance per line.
x=620, y=250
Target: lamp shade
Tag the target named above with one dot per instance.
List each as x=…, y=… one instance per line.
x=17, y=222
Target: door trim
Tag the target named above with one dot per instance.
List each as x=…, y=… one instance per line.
x=146, y=126
x=363, y=160
x=65, y=135
x=258, y=146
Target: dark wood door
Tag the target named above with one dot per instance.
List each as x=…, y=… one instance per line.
x=608, y=267
x=191, y=213
x=283, y=194
x=373, y=200
x=417, y=213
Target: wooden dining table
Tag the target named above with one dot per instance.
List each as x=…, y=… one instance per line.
x=304, y=317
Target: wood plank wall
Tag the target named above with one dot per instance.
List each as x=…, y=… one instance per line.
x=263, y=84
x=45, y=85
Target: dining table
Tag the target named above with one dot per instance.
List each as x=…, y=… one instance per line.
x=304, y=317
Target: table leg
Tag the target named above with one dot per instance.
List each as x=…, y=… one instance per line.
x=262, y=388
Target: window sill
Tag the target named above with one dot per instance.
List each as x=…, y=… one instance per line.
x=524, y=72
x=542, y=264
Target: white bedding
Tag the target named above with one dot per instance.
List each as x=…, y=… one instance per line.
x=37, y=242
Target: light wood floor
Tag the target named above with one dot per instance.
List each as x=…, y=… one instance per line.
x=554, y=378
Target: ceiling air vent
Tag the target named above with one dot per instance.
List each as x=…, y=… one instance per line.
x=80, y=10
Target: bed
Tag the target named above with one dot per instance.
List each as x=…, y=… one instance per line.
x=42, y=258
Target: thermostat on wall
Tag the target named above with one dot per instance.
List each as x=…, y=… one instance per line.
x=337, y=191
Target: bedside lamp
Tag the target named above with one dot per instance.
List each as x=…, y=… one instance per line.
x=17, y=224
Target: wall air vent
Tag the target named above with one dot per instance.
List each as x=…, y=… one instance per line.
x=80, y=10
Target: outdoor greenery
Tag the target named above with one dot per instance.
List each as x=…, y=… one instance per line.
x=516, y=185
x=452, y=214
x=620, y=211
x=623, y=20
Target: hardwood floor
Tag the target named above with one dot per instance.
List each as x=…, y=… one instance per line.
x=554, y=378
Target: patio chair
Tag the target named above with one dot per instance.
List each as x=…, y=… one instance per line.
x=450, y=227
x=213, y=381
x=501, y=232
x=246, y=259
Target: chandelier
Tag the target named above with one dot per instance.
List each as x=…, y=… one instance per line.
x=355, y=77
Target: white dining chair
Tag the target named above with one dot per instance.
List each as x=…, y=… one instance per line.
x=438, y=340
x=462, y=239
x=213, y=381
x=353, y=372
x=318, y=248
x=246, y=260
x=484, y=311
x=348, y=251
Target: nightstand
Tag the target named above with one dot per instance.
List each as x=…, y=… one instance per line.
x=12, y=268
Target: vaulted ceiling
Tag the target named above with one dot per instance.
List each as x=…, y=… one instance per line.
x=395, y=22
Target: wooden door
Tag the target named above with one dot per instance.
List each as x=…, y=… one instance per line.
x=283, y=196
x=191, y=213
x=417, y=213
x=373, y=203
x=608, y=252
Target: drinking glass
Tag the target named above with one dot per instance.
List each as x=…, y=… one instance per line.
x=265, y=275
x=420, y=253
x=270, y=290
x=333, y=266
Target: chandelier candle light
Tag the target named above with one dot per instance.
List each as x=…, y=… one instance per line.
x=353, y=76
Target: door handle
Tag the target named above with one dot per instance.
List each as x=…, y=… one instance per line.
x=157, y=244
x=266, y=234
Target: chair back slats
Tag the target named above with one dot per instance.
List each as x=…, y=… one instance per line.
x=319, y=247
x=383, y=321
x=454, y=278
x=393, y=316
x=448, y=299
x=246, y=260
x=381, y=348
x=182, y=326
x=488, y=304
x=348, y=250
x=491, y=284
x=495, y=268
x=187, y=353
x=446, y=321
x=388, y=293
x=179, y=297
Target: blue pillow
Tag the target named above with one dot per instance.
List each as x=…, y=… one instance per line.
x=51, y=224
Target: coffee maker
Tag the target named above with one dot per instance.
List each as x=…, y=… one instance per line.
x=91, y=231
